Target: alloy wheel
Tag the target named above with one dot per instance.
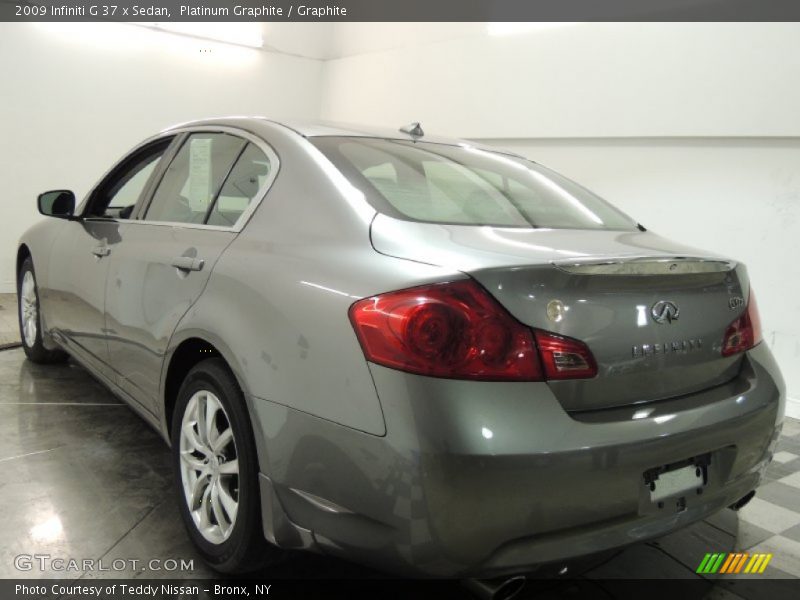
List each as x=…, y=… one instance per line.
x=29, y=309
x=209, y=466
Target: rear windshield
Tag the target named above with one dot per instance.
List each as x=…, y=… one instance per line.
x=437, y=183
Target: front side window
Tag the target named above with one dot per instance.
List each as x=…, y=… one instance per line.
x=437, y=183
x=124, y=199
x=194, y=178
x=118, y=194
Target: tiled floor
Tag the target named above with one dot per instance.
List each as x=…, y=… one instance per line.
x=82, y=476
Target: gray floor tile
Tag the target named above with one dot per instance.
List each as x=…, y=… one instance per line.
x=78, y=468
x=784, y=457
x=788, y=444
x=643, y=561
x=791, y=427
x=72, y=502
x=792, y=533
x=749, y=535
x=159, y=536
x=793, y=479
x=781, y=494
x=766, y=515
x=727, y=520
x=777, y=471
x=746, y=535
x=690, y=545
x=786, y=555
x=793, y=465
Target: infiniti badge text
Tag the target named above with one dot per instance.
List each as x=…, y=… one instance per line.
x=674, y=347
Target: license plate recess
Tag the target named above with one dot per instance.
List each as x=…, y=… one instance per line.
x=678, y=479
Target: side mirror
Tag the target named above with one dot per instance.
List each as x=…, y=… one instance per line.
x=57, y=203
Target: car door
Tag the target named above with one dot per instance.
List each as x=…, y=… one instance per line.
x=164, y=256
x=74, y=296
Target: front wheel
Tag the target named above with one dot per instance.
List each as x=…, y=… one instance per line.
x=216, y=470
x=30, y=319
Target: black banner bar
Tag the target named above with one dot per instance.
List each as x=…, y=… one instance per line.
x=698, y=588
x=399, y=10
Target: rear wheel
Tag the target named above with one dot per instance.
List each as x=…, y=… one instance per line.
x=216, y=471
x=30, y=319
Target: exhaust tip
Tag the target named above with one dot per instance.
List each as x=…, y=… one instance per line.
x=504, y=588
x=741, y=502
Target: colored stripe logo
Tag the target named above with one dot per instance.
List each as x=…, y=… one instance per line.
x=733, y=563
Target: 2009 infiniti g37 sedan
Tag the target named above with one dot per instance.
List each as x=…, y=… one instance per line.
x=418, y=353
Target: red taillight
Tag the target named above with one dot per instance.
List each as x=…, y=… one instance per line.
x=745, y=332
x=457, y=330
x=565, y=358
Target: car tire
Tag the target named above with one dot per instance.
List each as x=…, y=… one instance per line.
x=30, y=318
x=229, y=537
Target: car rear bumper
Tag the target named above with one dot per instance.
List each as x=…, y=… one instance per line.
x=481, y=479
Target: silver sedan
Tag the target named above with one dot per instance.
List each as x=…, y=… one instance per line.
x=418, y=353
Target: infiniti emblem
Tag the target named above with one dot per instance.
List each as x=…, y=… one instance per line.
x=665, y=311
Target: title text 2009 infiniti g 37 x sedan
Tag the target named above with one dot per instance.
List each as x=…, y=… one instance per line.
x=418, y=353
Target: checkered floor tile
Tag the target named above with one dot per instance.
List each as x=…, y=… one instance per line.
x=770, y=523
x=776, y=506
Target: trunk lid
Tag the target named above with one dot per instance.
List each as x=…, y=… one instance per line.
x=652, y=312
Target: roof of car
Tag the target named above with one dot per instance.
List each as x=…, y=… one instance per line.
x=318, y=128
x=330, y=128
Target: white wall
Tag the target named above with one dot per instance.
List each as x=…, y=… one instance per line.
x=691, y=128
x=296, y=38
x=75, y=97
x=578, y=80
x=349, y=39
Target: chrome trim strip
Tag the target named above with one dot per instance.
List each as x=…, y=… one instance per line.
x=173, y=224
x=646, y=265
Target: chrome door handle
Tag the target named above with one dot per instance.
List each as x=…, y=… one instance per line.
x=187, y=263
x=101, y=251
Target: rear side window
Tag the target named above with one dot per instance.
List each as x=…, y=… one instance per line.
x=194, y=178
x=438, y=183
x=247, y=177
